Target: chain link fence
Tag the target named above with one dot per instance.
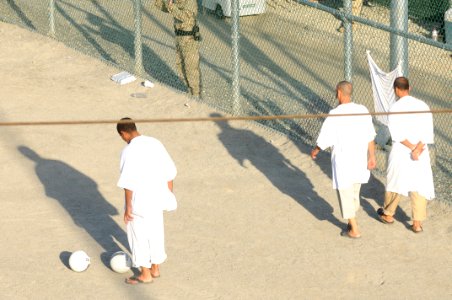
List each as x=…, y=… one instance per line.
x=291, y=56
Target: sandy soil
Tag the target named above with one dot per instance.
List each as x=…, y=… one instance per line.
x=257, y=218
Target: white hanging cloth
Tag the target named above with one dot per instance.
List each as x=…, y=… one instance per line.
x=382, y=87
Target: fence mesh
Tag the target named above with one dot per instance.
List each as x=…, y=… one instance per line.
x=291, y=56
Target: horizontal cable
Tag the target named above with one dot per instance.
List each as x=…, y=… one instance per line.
x=216, y=119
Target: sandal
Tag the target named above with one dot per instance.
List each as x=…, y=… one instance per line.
x=348, y=235
x=135, y=280
x=381, y=216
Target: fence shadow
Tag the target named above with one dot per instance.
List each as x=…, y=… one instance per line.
x=104, y=27
x=244, y=145
x=79, y=196
x=23, y=17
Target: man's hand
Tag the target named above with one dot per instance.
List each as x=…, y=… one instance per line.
x=371, y=163
x=314, y=152
x=417, y=151
x=128, y=216
x=128, y=213
x=371, y=160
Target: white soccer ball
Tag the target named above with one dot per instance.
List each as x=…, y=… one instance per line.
x=79, y=261
x=120, y=262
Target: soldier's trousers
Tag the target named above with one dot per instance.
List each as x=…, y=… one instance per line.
x=187, y=63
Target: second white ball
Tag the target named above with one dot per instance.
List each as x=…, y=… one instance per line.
x=120, y=262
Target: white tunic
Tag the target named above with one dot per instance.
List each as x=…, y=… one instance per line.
x=349, y=139
x=404, y=174
x=146, y=167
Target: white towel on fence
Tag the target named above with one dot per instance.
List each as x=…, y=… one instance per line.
x=384, y=96
x=382, y=87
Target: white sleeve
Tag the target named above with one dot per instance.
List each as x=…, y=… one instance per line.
x=370, y=129
x=426, y=134
x=326, y=136
x=168, y=165
x=396, y=127
x=127, y=177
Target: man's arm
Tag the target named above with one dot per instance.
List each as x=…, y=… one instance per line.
x=325, y=138
x=128, y=211
x=170, y=185
x=371, y=161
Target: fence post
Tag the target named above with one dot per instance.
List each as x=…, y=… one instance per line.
x=52, y=18
x=348, y=42
x=138, y=42
x=398, y=44
x=235, y=35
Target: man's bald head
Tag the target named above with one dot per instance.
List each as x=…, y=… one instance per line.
x=345, y=87
x=344, y=90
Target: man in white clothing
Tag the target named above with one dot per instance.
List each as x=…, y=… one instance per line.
x=409, y=170
x=353, y=152
x=147, y=173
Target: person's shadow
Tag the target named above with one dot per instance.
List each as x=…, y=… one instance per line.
x=245, y=145
x=79, y=196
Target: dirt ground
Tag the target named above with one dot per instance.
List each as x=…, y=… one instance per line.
x=257, y=218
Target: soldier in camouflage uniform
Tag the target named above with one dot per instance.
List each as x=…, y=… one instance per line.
x=184, y=13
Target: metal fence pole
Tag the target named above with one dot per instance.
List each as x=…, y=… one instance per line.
x=52, y=18
x=348, y=42
x=399, y=44
x=235, y=16
x=138, y=42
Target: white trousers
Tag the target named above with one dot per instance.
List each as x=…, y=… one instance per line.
x=147, y=240
x=349, y=201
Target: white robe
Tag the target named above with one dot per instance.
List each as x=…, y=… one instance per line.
x=404, y=174
x=146, y=167
x=349, y=139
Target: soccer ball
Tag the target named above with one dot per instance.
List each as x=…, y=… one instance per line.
x=79, y=261
x=120, y=262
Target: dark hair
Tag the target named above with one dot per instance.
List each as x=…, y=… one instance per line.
x=126, y=125
x=402, y=83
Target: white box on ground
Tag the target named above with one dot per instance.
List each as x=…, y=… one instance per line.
x=123, y=78
x=148, y=84
x=222, y=8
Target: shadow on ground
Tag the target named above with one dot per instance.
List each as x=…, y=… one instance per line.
x=79, y=196
x=244, y=145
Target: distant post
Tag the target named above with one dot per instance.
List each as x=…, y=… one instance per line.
x=52, y=18
x=348, y=42
x=138, y=40
x=399, y=44
x=235, y=36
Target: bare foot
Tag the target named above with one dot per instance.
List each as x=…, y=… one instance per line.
x=417, y=227
x=154, y=271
